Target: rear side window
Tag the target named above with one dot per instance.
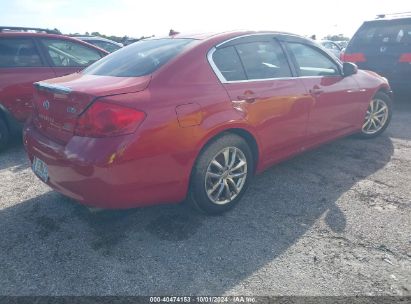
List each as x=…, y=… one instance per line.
x=65, y=53
x=17, y=52
x=263, y=60
x=312, y=62
x=383, y=32
x=138, y=59
x=252, y=61
x=229, y=64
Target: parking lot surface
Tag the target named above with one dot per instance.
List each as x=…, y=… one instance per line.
x=333, y=221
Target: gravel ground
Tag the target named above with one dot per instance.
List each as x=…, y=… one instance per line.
x=334, y=221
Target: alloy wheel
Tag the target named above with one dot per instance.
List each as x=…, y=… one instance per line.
x=226, y=175
x=376, y=116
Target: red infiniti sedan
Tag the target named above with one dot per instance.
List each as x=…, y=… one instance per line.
x=195, y=117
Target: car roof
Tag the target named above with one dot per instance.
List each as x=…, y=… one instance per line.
x=389, y=17
x=45, y=35
x=229, y=35
x=30, y=34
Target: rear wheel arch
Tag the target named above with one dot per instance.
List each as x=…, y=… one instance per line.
x=233, y=138
x=251, y=141
x=247, y=135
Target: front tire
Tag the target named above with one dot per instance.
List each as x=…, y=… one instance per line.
x=4, y=134
x=221, y=174
x=377, y=117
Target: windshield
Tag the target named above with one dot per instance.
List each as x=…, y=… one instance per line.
x=384, y=32
x=138, y=59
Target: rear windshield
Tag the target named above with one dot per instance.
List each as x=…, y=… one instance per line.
x=138, y=59
x=384, y=32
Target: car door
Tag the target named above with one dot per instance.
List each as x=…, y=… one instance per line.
x=337, y=99
x=67, y=56
x=257, y=76
x=21, y=64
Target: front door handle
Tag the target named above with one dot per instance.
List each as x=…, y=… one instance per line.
x=316, y=91
x=248, y=96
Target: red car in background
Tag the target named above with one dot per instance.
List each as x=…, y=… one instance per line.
x=28, y=55
x=195, y=117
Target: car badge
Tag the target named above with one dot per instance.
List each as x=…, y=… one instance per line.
x=383, y=49
x=46, y=104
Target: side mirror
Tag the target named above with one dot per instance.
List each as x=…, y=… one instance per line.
x=349, y=69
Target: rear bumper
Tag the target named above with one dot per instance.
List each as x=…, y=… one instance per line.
x=88, y=173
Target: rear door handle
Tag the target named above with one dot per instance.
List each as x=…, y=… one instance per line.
x=247, y=98
x=316, y=91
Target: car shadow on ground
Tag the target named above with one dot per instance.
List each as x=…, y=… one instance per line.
x=51, y=245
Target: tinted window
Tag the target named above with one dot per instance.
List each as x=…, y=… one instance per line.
x=229, y=64
x=263, y=60
x=109, y=47
x=66, y=53
x=138, y=59
x=383, y=32
x=18, y=53
x=312, y=62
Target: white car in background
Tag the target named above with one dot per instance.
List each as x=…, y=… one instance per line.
x=332, y=46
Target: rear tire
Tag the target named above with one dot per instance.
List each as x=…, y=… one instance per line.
x=378, y=116
x=221, y=174
x=4, y=134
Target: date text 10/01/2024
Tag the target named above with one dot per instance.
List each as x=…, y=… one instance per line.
x=203, y=299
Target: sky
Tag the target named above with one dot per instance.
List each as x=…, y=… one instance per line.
x=156, y=17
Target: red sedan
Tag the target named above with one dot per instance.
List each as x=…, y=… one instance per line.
x=195, y=117
x=34, y=54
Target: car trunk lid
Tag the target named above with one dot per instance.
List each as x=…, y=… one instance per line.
x=60, y=101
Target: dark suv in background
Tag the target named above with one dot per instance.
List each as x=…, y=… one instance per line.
x=384, y=46
x=28, y=55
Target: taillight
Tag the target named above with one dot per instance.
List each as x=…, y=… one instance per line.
x=105, y=119
x=354, y=57
x=406, y=57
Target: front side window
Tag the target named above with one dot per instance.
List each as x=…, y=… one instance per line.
x=65, y=53
x=263, y=60
x=312, y=62
x=138, y=59
x=18, y=52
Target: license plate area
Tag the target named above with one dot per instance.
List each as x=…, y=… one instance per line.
x=40, y=168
